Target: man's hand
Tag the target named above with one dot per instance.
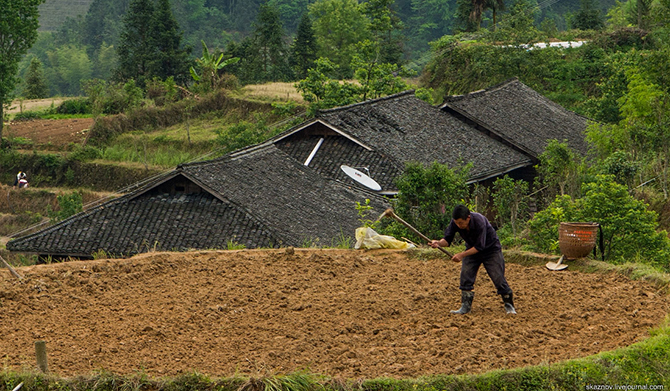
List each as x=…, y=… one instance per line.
x=458, y=257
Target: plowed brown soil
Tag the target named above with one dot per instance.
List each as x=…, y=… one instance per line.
x=57, y=132
x=337, y=312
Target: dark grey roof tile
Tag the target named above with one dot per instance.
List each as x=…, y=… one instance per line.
x=522, y=116
x=407, y=129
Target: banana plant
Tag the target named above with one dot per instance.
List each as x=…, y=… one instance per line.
x=210, y=65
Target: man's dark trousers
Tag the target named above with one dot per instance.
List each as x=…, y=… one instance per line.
x=493, y=262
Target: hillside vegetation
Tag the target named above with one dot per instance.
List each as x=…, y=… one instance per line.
x=53, y=13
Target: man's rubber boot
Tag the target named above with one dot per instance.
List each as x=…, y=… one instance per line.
x=466, y=302
x=508, y=300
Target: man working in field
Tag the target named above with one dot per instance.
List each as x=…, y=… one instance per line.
x=482, y=247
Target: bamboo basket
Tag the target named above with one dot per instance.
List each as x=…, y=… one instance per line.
x=577, y=240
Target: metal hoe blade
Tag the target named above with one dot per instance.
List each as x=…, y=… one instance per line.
x=557, y=265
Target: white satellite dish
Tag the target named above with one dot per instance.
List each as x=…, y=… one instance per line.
x=361, y=178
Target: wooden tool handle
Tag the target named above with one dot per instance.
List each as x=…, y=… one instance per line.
x=422, y=236
x=11, y=269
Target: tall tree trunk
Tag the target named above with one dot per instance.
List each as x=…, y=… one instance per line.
x=2, y=118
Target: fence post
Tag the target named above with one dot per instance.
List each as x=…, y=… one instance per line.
x=41, y=354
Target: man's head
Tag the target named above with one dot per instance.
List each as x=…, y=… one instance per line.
x=461, y=216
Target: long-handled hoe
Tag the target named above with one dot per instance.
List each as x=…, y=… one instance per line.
x=389, y=213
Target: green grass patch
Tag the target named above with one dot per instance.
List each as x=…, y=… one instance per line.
x=154, y=149
x=200, y=130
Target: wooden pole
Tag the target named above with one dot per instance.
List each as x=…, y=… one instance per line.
x=11, y=269
x=389, y=212
x=41, y=354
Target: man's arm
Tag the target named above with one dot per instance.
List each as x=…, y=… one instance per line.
x=439, y=243
x=479, y=233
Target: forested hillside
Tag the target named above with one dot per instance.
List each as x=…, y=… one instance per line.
x=53, y=13
x=74, y=48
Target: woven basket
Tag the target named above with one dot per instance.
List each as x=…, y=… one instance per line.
x=576, y=240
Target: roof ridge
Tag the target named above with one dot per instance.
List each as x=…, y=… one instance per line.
x=367, y=102
x=229, y=156
x=454, y=98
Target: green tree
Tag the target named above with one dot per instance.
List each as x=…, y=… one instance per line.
x=427, y=21
x=426, y=197
x=136, y=46
x=103, y=23
x=464, y=20
x=588, y=17
x=559, y=168
x=322, y=89
x=479, y=7
x=69, y=205
x=520, y=22
x=105, y=62
x=150, y=44
x=269, y=39
x=510, y=199
x=18, y=31
x=384, y=27
x=622, y=167
x=643, y=8
x=72, y=66
x=375, y=77
x=248, y=69
x=70, y=32
x=36, y=87
x=169, y=58
x=304, y=48
x=338, y=25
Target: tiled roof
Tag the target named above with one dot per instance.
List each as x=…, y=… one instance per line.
x=297, y=203
x=127, y=226
x=521, y=116
x=406, y=129
x=259, y=198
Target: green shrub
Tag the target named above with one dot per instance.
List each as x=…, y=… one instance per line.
x=21, y=142
x=84, y=153
x=162, y=92
x=242, y=134
x=69, y=205
x=426, y=197
x=510, y=198
x=28, y=115
x=74, y=106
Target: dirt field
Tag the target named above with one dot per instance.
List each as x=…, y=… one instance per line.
x=59, y=132
x=342, y=313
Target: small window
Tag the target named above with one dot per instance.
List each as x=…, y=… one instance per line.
x=180, y=188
